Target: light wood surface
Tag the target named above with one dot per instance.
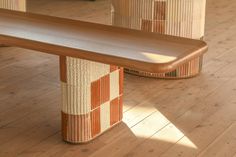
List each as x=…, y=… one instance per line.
x=106, y=44
x=201, y=109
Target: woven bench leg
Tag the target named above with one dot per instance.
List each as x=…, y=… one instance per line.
x=91, y=98
x=172, y=17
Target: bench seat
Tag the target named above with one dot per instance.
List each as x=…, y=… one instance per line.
x=106, y=44
x=92, y=57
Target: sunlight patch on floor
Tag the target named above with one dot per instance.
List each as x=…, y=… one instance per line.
x=152, y=124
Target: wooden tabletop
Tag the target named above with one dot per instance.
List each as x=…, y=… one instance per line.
x=106, y=44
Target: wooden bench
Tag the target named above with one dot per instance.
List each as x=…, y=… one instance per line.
x=91, y=57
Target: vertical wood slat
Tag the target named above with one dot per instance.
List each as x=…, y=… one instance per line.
x=63, y=68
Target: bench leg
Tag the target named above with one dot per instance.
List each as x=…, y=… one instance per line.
x=91, y=98
x=178, y=18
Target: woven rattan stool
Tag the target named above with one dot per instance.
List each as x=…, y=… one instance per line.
x=183, y=18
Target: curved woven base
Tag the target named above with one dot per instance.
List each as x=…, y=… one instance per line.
x=77, y=130
x=189, y=69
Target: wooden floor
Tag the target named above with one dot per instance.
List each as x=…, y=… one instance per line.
x=194, y=117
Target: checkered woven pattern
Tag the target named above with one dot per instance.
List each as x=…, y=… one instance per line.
x=91, y=98
x=184, y=18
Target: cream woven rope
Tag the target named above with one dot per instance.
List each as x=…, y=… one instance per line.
x=19, y=5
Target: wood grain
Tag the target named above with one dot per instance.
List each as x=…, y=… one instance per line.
x=106, y=44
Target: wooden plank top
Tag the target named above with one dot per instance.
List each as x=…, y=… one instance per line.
x=96, y=42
